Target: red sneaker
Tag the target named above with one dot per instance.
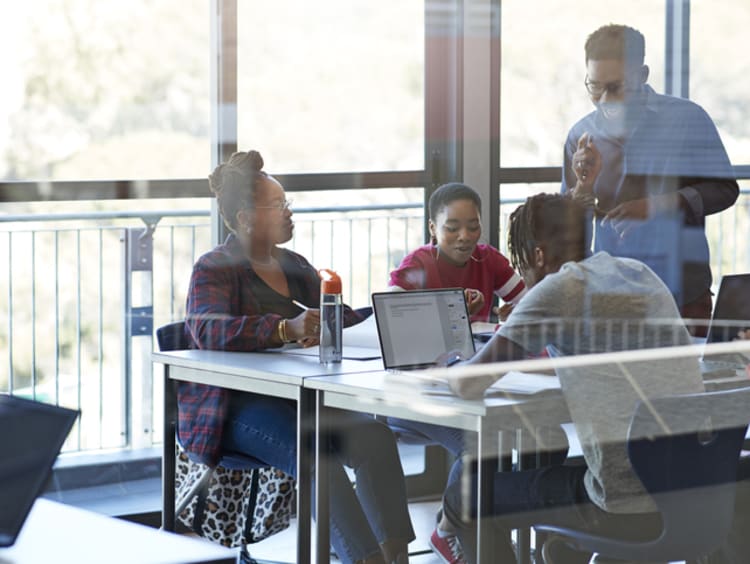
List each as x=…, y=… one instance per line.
x=447, y=548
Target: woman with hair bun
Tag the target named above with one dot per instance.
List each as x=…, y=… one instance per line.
x=242, y=297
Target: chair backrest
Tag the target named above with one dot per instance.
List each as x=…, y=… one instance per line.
x=171, y=337
x=601, y=398
x=685, y=449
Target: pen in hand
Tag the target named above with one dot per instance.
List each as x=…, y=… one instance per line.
x=300, y=305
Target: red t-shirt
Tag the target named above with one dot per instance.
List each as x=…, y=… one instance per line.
x=487, y=271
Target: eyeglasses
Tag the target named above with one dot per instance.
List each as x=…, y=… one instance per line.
x=615, y=88
x=283, y=205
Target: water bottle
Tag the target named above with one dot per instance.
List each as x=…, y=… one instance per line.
x=331, y=317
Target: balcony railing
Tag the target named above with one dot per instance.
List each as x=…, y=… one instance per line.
x=83, y=293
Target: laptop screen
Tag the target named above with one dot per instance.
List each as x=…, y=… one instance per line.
x=417, y=326
x=31, y=435
x=732, y=309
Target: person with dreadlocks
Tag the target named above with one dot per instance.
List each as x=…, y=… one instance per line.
x=571, y=298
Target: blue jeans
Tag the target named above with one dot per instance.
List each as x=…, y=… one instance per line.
x=265, y=427
x=453, y=440
x=449, y=438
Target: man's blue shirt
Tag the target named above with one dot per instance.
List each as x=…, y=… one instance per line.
x=672, y=146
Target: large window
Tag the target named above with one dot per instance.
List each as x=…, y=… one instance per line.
x=719, y=74
x=102, y=89
x=543, y=69
x=353, y=103
x=345, y=93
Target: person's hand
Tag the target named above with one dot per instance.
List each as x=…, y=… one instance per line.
x=449, y=358
x=587, y=164
x=503, y=311
x=470, y=387
x=621, y=217
x=306, y=325
x=474, y=300
x=466, y=387
x=307, y=342
x=743, y=334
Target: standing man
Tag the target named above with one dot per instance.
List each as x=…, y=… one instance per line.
x=651, y=167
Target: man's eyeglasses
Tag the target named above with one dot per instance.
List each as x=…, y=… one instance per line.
x=283, y=205
x=615, y=88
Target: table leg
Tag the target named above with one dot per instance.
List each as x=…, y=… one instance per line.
x=168, y=454
x=488, y=455
x=322, y=482
x=305, y=438
x=527, y=453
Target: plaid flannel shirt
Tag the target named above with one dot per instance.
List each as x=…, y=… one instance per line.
x=223, y=313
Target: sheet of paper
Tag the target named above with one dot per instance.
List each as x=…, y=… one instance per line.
x=525, y=383
x=360, y=343
x=483, y=327
x=513, y=383
x=349, y=352
x=364, y=335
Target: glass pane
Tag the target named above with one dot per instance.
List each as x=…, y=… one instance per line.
x=726, y=231
x=720, y=82
x=361, y=234
x=543, y=68
x=512, y=196
x=332, y=86
x=104, y=89
x=727, y=236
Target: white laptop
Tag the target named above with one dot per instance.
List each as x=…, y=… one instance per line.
x=416, y=326
x=731, y=314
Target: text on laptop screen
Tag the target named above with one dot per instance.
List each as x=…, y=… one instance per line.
x=416, y=327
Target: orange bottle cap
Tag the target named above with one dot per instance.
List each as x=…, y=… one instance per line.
x=331, y=282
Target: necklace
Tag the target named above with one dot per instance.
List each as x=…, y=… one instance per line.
x=256, y=262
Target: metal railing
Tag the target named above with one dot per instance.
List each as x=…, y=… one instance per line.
x=74, y=298
x=68, y=292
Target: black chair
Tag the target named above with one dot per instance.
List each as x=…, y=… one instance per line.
x=365, y=311
x=685, y=450
x=172, y=337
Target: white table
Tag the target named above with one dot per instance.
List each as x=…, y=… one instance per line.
x=381, y=394
x=354, y=385
x=63, y=534
x=270, y=373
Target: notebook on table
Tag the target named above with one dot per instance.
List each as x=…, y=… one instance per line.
x=31, y=436
x=731, y=314
x=416, y=326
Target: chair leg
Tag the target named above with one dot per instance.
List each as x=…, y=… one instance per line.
x=245, y=557
x=192, y=492
x=544, y=554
